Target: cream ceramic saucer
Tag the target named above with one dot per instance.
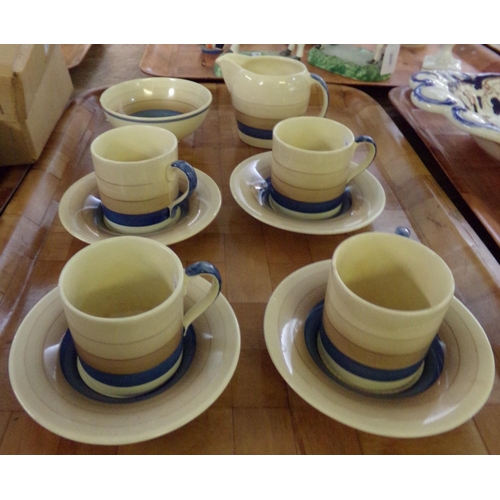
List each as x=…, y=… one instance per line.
x=80, y=212
x=458, y=394
x=248, y=180
x=43, y=391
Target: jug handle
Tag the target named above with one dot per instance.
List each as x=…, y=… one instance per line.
x=317, y=80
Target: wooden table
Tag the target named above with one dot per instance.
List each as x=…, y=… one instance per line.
x=74, y=54
x=186, y=61
x=474, y=173
x=258, y=413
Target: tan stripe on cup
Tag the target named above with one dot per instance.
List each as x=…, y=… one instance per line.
x=136, y=365
x=370, y=358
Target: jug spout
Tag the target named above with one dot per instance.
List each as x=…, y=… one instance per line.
x=230, y=64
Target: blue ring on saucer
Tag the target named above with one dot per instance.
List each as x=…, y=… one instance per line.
x=305, y=207
x=361, y=370
x=68, y=362
x=133, y=379
x=433, y=361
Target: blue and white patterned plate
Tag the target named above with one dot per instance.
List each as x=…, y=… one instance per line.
x=470, y=101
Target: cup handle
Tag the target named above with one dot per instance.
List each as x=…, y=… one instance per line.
x=200, y=307
x=355, y=169
x=192, y=181
x=324, y=90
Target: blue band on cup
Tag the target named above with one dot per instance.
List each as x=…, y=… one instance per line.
x=322, y=82
x=304, y=207
x=151, y=218
x=137, y=220
x=433, y=362
x=258, y=133
x=133, y=379
x=364, y=371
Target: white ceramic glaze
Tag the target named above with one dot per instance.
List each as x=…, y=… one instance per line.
x=265, y=90
x=312, y=159
x=192, y=100
x=459, y=393
x=470, y=101
x=368, y=200
x=80, y=212
x=123, y=301
x=42, y=390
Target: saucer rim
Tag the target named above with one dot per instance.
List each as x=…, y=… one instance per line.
x=83, y=187
x=57, y=408
x=317, y=227
x=357, y=410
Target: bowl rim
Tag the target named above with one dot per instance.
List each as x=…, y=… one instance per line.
x=452, y=107
x=161, y=119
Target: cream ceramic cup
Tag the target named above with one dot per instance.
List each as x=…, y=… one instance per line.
x=137, y=172
x=123, y=300
x=312, y=164
x=267, y=89
x=386, y=298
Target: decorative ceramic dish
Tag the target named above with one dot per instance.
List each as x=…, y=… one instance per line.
x=470, y=101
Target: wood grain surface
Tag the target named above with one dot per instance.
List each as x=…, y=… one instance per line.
x=474, y=173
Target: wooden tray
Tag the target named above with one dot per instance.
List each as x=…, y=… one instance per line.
x=186, y=61
x=10, y=179
x=74, y=54
x=257, y=413
x=475, y=174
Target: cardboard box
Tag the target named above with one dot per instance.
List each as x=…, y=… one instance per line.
x=35, y=86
